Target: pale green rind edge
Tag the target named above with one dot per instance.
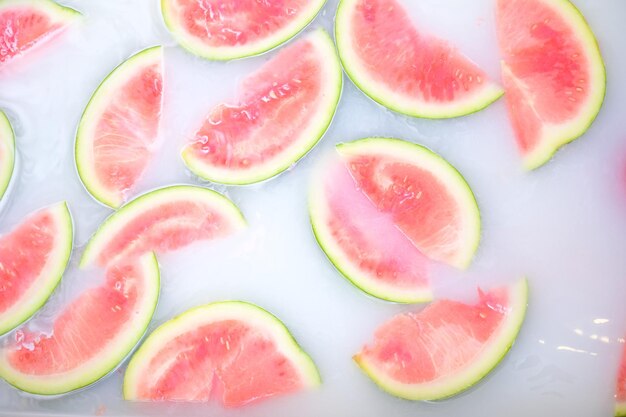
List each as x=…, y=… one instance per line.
x=54, y=8
x=137, y=205
x=414, y=110
x=306, y=365
x=481, y=368
x=44, y=292
x=8, y=165
x=82, y=143
x=620, y=409
x=280, y=165
x=211, y=53
x=91, y=375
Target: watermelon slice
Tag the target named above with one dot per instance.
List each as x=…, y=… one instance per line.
x=620, y=392
x=33, y=257
x=407, y=71
x=90, y=337
x=7, y=153
x=221, y=30
x=386, y=209
x=284, y=110
x=118, y=131
x=232, y=351
x=553, y=74
x=25, y=24
x=447, y=347
x=163, y=220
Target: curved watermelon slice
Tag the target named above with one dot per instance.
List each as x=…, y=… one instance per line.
x=447, y=347
x=118, y=131
x=553, y=74
x=163, y=220
x=25, y=24
x=33, y=257
x=7, y=154
x=90, y=337
x=234, y=351
x=399, y=206
x=620, y=392
x=407, y=71
x=284, y=110
x=215, y=29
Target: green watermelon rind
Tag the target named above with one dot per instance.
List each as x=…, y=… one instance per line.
x=403, y=150
x=7, y=166
x=228, y=53
x=307, y=140
x=99, y=99
x=448, y=387
x=562, y=137
x=49, y=278
x=231, y=310
x=117, y=221
x=97, y=368
x=394, y=100
x=620, y=409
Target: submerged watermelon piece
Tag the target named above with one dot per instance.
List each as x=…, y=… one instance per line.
x=25, y=24
x=620, y=391
x=33, y=257
x=553, y=74
x=232, y=351
x=410, y=72
x=216, y=29
x=447, y=347
x=7, y=154
x=386, y=210
x=118, y=131
x=283, y=111
x=90, y=337
x=161, y=221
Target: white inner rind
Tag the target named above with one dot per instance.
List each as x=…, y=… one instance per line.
x=308, y=135
x=449, y=385
x=197, y=47
x=50, y=275
x=100, y=101
x=397, y=100
x=117, y=222
x=108, y=358
x=7, y=152
x=253, y=316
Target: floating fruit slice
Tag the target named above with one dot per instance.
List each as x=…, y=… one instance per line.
x=90, y=337
x=447, y=347
x=620, y=393
x=25, y=24
x=284, y=110
x=553, y=74
x=163, y=220
x=216, y=29
x=7, y=154
x=233, y=350
x=410, y=72
x=118, y=131
x=33, y=257
x=399, y=202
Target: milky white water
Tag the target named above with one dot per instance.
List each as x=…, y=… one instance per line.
x=564, y=226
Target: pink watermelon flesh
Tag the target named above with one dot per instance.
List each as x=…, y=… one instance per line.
x=83, y=328
x=439, y=341
x=22, y=27
x=547, y=70
x=228, y=360
x=23, y=255
x=127, y=130
x=620, y=392
x=418, y=65
x=358, y=227
x=276, y=104
x=217, y=23
x=415, y=200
